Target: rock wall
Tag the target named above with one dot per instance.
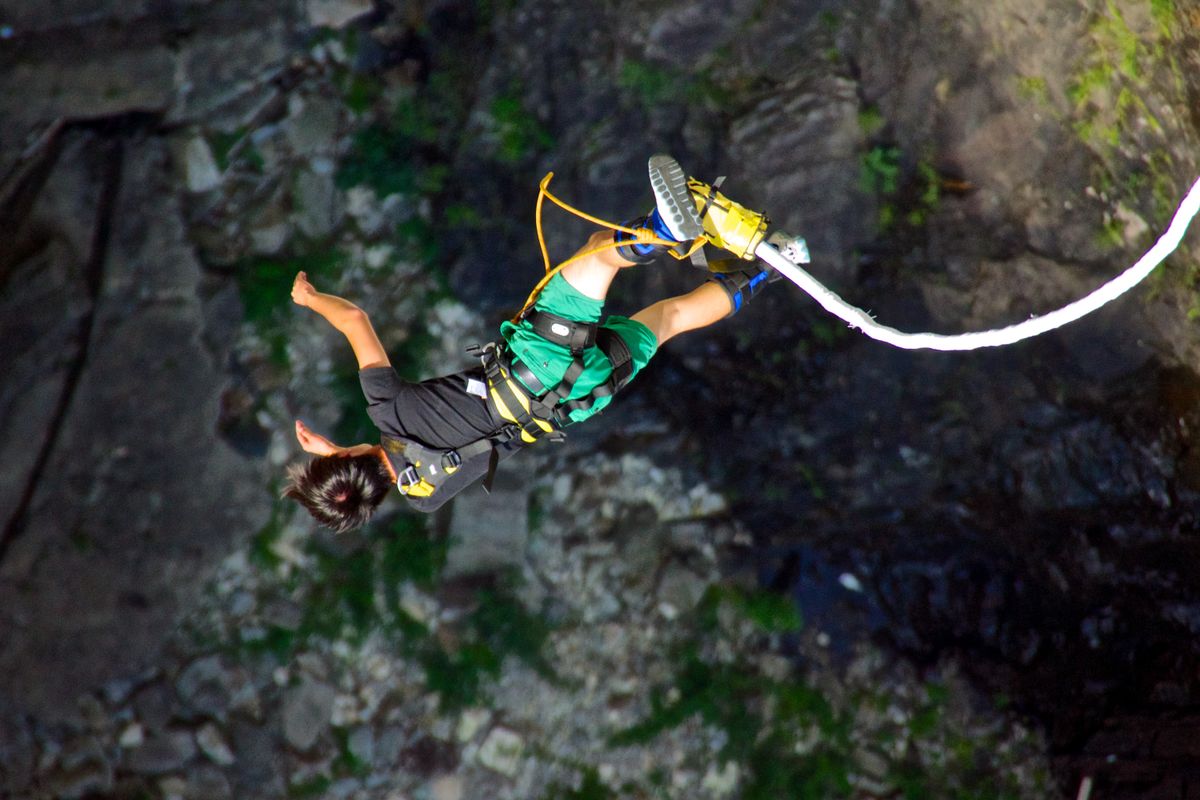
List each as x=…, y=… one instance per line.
x=1004, y=516
x=111, y=522
x=118, y=494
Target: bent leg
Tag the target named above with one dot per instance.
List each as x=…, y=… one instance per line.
x=704, y=305
x=593, y=273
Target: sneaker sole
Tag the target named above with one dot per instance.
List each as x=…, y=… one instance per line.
x=675, y=205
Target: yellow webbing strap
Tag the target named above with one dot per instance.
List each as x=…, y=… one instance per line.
x=516, y=392
x=729, y=225
x=421, y=488
x=640, y=237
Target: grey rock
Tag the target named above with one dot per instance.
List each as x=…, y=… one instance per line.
x=681, y=587
x=206, y=686
x=335, y=13
x=312, y=125
x=162, y=753
x=208, y=783
x=173, y=787
x=721, y=781
x=226, y=77
x=17, y=757
x=872, y=764
x=501, y=751
x=116, y=692
x=344, y=788
x=131, y=736
x=446, y=787
x=92, y=777
x=283, y=614
x=111, y=472
x=64, y=82
x=307, y=711
x=317, y=203
x=269, y=239
x=195, y=163
x=643, y=548
x=821, y=121
x=389, y=745
x=488, y=532
x=152, y=705
x=242, y=603
x=361, y=744
x=259, y=769
x=212, y=744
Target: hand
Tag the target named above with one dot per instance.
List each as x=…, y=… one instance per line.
x=302, y=291
x=314, y=443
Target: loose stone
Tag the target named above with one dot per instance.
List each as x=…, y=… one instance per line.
x=501, y=751
x=213, y=745
x=307, y=711
x=162, y=753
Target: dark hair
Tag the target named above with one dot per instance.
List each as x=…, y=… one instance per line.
x=341, y=492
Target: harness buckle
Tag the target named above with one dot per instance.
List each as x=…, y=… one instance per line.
x=451, y=460
x=407, y=479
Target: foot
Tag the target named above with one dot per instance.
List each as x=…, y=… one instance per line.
x=674, y=207
x=673, y=219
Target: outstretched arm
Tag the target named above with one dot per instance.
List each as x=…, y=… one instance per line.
x=348, y=318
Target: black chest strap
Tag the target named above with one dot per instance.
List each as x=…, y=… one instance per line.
x=573, y=335
x=553, y=403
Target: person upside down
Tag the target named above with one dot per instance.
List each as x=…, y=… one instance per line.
x=556, y=365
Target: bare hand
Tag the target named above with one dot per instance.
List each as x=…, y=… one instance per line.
x=314, y=443
x=302, y=291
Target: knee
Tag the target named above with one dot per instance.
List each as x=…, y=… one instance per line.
x=670, y=321
x=599, y=239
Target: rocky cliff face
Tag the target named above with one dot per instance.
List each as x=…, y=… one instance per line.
x=1015, y=524
x=117, y=494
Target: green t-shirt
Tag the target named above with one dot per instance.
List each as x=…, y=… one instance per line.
x=549, y=361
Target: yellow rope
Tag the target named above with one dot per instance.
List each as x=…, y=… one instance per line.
x=640, y=237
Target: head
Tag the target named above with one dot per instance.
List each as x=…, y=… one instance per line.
x=341, y=492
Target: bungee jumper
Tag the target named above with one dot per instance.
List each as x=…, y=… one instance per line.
x=556, y=363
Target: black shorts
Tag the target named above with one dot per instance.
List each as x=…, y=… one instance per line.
x=439, y=413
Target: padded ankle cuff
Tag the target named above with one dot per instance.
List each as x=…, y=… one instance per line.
x=741, y=286
x=638, y=254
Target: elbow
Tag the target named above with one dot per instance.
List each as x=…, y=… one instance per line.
x=352, y=318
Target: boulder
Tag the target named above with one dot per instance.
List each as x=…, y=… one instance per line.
x=335, y=13
x=162, y=753
x=501, y=751
x=307, y=712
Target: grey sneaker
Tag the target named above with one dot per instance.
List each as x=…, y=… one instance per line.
x=674, y=205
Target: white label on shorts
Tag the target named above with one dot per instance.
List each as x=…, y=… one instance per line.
x=476, y=388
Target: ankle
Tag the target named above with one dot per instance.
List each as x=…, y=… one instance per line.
x=635, y=251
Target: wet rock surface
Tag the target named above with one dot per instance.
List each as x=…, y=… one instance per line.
x=994, y=548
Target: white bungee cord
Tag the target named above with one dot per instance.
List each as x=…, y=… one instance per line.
x=857, y=318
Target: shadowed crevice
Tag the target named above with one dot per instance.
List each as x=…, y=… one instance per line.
x=112, y=159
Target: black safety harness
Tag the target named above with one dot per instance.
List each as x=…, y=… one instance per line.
x=529, y=403
x=428, y=467
x=515, y=394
